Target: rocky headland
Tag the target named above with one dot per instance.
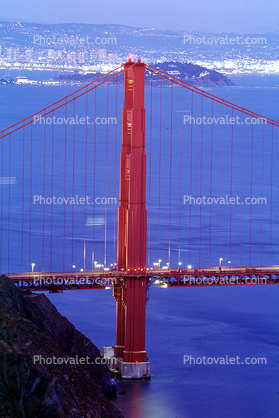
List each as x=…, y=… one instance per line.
x=31, y=326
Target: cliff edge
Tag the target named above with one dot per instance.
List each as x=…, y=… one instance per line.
x=34, y=337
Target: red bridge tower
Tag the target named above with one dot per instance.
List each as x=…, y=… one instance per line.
x=130, y=357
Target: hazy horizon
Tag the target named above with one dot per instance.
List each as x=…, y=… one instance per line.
x=201, y=15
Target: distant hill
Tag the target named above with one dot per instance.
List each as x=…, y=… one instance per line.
x=190, y=73
x=194, y=74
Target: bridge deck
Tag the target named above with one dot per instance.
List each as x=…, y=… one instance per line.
x=96, y=279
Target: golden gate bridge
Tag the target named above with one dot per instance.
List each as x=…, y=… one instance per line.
x=41, y=154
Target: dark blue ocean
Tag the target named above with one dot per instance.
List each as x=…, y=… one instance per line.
x=211, y=322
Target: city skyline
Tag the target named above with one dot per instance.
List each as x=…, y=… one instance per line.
x=103, y=47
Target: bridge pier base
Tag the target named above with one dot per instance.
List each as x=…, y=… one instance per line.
x=130, y=370
x=126, y=369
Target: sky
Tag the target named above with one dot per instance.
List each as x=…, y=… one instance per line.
x=188, y=15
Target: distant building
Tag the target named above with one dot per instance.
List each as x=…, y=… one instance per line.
x=15, y=53
x=93, y=56
x=81, y=57
x=21, y=80
x=112, y=58
x=52, y=54
x=102, y=54
x=29, y=53
x=41, y=56
x=12, y=53
x=71, y=56
x=9, y=53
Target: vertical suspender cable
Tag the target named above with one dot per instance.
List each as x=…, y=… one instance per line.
x=221, y=179
x=251, y=194
x=169, y=255
x=22, y=201
x=231, y=185
x=211, y=179
x=65, y=188
x=73, y=178
x=150, y=165
x=30, y=193
x=44, y=192
x=271, y=185
x=191, y=168
x=85, y=180
x=9, y=205
x=160, y=147
x=262, y=197
x=200, y=231
x=180, y=178
x=52, y=180
x=241, y=197
x=106, y=205
x=94, y=182
x=115, y=176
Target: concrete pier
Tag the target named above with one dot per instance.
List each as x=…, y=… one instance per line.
x=124, y=369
